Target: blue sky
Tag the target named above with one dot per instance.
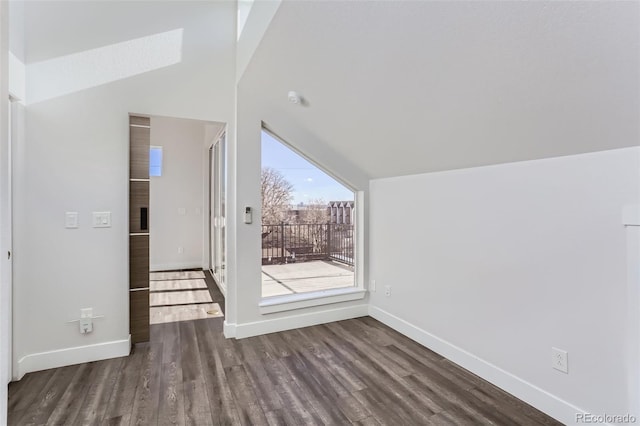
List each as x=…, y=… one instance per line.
x=309, y=182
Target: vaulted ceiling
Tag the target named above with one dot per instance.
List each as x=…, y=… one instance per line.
x=409, y=87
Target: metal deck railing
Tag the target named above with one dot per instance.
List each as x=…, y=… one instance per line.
x=288, y=243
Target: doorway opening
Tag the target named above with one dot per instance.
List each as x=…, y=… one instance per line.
x=169, y=224
x=181, y=287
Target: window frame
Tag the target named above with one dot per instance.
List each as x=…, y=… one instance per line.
x=273, y=304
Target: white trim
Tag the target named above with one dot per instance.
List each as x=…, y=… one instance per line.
x=555, y=407
x=139, y=180
x=229, y=330
x=138, y=234
x=289, y=302
x=240, y=331
x=633, y=318
x=359, y=228
x=5, y=286
x=162, y=267
x=71, y=356
x=138, y=289
x=140, y=125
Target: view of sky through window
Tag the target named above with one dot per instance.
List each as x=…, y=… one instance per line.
x=310, y=183
x=155, y=161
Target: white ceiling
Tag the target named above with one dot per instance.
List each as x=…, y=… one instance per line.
x=58, y=28
x=410, y=87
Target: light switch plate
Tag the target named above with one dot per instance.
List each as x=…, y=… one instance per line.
x=101, y=219
x=71, y=220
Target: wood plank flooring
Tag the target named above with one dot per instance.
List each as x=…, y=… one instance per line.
x=349, y=372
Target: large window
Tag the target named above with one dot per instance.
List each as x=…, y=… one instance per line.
x=308, y=224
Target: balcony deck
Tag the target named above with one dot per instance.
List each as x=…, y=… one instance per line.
x=305, y=277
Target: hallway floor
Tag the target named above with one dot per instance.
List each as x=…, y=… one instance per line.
x=180, y=296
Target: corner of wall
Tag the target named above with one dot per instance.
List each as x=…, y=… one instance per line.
x=5, y=287
x=550, y=404
x=256, y=25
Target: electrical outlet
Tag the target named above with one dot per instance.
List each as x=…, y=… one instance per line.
x=180, y=250
x=86, y=325
x=387, y=290
x=372, y=285
x=560, y=360
x=86, y=320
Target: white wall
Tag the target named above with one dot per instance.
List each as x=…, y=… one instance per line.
x=76, y=159
x=177, y=198
x=244, y=241
x=493, y=266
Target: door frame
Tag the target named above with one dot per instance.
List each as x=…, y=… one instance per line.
x=6, y=243
x=210, y=208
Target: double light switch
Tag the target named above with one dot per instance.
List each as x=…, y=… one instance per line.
x=99, y=220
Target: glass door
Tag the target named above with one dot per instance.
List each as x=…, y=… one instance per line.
x=217, y=161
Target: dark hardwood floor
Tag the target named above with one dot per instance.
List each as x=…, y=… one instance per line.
x=348, y=372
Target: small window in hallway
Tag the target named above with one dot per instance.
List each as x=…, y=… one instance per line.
x=308, y=224
x=155, y=161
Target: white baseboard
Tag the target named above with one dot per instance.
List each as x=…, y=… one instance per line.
x=542, y=400
x=229, y=330
x=70, y=356
x=240, y=331
x=175, y=266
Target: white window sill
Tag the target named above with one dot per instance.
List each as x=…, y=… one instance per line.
x=290, y=302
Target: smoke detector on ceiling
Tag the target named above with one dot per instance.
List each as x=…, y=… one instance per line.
x=294, y=97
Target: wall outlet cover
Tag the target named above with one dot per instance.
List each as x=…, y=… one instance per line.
x=560, y=360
